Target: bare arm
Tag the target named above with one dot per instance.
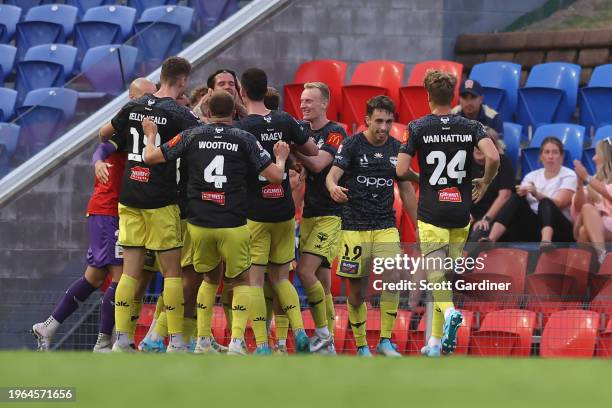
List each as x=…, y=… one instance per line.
x=491, y=154
x=152, y=154
x=337, y=193
x=403, y=170
x=315, y=164
x=408, y=197
x=106, y=132
x=274, y=172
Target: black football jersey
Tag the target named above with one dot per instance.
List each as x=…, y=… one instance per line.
x=317, y=201
x=147, y=186
x=369, y=175
x=219, y=159
x=445, y=145
x=272, y=202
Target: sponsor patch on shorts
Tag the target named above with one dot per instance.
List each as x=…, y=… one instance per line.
x=215, y=197
x=349, y=267
x=140, y=174
x=450, y=194
x=272, y=191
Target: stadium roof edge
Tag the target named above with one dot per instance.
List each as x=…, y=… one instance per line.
x=72, y=142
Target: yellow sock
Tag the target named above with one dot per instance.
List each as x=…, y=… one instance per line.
x=136, y=308
x=189, y=328
x=175, y=307
x=124, y=298
x=226, y=301
x=357, y=320
x=159, y=306
x=269, y=297
x=437, y=323
x=161, y=326
x=257, y=314
x=389, y=301
x=241, y=302
x=331, y=313
x=205, y=301
x=316, y=300
x=290, y=302
x=282, y=327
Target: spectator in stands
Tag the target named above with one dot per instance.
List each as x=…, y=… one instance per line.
x=197, y=94
x=592, y=204
x=540, y=209
x=272, y=99
x=223, y=79
x=470, y=106
x=498, y=193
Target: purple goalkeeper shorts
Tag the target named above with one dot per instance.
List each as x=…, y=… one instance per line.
x=103, y=249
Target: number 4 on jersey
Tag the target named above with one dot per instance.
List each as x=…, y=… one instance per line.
x=454, y=170
x=213, y=173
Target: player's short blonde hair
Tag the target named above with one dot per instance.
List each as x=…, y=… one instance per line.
x=440, y=86
x=322, y=87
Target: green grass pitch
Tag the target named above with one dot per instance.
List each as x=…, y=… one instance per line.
x=314, y=381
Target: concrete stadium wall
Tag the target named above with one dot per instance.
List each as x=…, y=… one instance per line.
x=43, y=231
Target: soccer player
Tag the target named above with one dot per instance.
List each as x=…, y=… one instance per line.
x=148, y=212
x=104, y=255
x=223, y=79
x=271, y=211
x=320, y=227
x=220, y=158
x=366, y=163
x=445, y=143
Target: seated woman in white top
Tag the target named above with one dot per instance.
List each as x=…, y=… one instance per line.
x=592, y=204
x=539, y=211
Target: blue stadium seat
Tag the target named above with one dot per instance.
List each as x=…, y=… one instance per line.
x=602, y=133
x=55, y=13
x=179, y=15
x=8, y=100
x=212, y=12
x=9, y=135
x=25, y=5
x=159, y=34
x=44, y=116
x=102, y=26
x=595, y=100
x=84, y=5
x=9, y=17
x=45, y=66
x=32, y=33
x=549, y=96
x=512, y=140
x=7, y=61
x=500, y=81
x=106, y=71
x=571, y=135
x=142, y=5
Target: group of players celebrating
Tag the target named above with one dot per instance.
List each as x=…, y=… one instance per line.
x=211, y=203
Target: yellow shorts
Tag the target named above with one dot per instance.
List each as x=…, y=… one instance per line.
x=272, y=242
x=213, y=245
x=157, y=229
x=432, y=238
x=358, y=248
x=319, y=236
x=186, y=251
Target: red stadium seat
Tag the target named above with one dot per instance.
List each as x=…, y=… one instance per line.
x=501, y=265
x=401, y=330
x=603, y=301
x=560, y=275
x=373, y=327
x=341, y=327
x=570, y=333
x=144, y=321
x=504, y=333
x=336, y=281
x=604, y=346
x=331, y=72
x=599, y=280
x=346, y=128
x=370, y=78
x=219, y=327
x=416, y=338
x=544, y=309
x=413, y=98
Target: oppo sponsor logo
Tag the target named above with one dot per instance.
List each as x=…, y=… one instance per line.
x=375, y=181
